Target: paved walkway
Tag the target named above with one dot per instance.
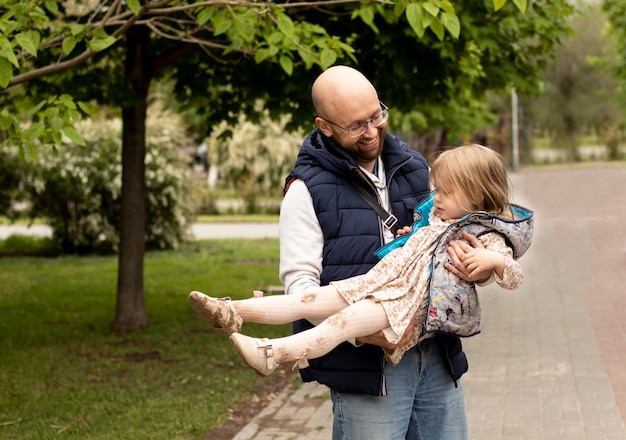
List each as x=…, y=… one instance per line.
x=550, y=361
x=199, y=231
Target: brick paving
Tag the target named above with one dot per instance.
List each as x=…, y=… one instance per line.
x=550, y=361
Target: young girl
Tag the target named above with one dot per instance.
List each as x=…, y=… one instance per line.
x=471, y=194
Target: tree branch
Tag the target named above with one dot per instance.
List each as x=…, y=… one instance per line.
x=154, y=14
x=250, y=4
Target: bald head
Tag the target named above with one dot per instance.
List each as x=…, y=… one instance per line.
x=347, y=104
x=339, y=86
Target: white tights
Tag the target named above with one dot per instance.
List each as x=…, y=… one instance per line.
x=344, y=321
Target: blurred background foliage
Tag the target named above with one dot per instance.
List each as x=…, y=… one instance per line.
x=577, y=113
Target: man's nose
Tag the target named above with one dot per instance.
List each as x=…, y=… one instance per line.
x=370, y=124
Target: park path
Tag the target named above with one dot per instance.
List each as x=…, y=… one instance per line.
x=200, y=231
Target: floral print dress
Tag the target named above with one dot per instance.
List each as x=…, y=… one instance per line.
x=399, y=282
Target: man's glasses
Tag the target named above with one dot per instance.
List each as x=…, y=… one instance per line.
x=359, y=129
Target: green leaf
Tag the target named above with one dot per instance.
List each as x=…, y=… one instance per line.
x=328, y=58
x=66, y=101
x=32, y=152
x=29, y=41
x=316, y=29
x=76, y=29
x=431, y=8
x=287, y=64
x=236, y=43
x=222, y=24
x=35, y=130
x=205, y=15
x=87, y=108
x=451, y=23
x=245, y=28
x=52, y=6
x=275, y=38
x=56, y=136
x=306, y=56
x=6, y=73
x=399, y=8
x=285, y=24
x=498, y=4
x=38, y=106
x=68, y=44
x=7, y=120
x=521, y=5
x=56, y=123
x=437, y=28
x=100, y=43
x=448, y=7
x=6, y=52
x=71, y=133
x=367, y=15
x=414, y=17
x=261, y=55
x=427, y=19
x=134, y=6
x=73, y=115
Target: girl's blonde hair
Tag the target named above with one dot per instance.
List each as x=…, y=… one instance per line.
x=477, y=177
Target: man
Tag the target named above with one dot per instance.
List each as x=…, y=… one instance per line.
x=329, y=232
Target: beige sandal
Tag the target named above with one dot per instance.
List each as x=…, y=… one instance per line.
x=218, y=311
x=256, y=352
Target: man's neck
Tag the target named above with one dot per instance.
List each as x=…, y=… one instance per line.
x=371, y=167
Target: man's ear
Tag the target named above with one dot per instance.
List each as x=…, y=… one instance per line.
x=323, y=126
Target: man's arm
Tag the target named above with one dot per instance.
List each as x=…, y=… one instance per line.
x=301, y=241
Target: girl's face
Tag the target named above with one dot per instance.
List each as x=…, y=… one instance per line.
x=447, y=205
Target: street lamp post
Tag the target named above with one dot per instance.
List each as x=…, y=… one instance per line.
x=514, y=129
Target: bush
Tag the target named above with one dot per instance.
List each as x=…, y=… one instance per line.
x=255, y=158
x=78, y=189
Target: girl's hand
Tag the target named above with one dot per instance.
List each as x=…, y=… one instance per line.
x=458, y=251
x=404, y=231
x=483, y=260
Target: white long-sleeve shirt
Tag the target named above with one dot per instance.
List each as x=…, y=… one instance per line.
x=301, y=237
x=302, y=240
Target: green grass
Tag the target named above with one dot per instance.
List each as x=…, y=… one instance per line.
x=64, y=374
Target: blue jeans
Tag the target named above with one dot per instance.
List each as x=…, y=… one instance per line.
x=422, y=403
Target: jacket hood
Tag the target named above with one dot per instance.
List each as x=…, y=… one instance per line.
x=517, y=232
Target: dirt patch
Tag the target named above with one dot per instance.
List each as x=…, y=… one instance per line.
x=241, y=415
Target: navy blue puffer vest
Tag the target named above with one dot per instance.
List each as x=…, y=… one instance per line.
x=352, y=233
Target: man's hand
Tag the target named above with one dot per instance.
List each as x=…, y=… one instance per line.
x=458, y=251
x=378, y=338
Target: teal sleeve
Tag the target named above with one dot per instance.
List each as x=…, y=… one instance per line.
x=421, y=214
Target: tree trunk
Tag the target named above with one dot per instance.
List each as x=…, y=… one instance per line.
x=130, y=312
